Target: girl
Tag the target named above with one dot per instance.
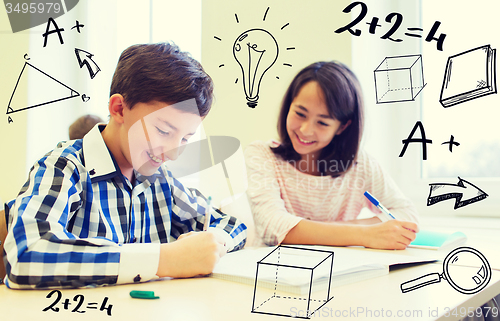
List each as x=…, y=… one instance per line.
x=309, y=188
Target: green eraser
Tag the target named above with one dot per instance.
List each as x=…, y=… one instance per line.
x=143, y=295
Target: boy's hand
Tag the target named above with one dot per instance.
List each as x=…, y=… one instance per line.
x=390, y=235
x=218, y=238
x=194, y=253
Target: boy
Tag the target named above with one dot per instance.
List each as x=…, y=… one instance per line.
x=105, y=210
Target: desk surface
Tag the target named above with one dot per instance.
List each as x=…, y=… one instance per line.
x=212, y=299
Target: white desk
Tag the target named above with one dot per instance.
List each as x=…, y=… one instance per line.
x=212, y=299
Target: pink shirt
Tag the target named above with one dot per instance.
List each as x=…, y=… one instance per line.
x=280, y=195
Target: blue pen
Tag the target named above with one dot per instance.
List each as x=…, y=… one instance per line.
x=207, y=214
x=379, y=205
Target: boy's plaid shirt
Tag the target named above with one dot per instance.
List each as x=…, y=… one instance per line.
x=78, y=221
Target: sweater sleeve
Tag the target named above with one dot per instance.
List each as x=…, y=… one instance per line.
x=272, y=220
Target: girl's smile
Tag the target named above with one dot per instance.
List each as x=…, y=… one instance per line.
x=309, y=124
x=304, y=142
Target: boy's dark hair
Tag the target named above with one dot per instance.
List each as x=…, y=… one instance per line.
x=161, y=72
x=344, y=100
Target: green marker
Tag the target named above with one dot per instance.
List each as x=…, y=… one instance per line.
x=150, y=295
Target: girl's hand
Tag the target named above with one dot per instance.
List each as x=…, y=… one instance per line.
x=390, y=235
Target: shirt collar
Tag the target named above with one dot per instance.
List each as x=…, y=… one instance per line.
x=98, y=159
x=159, y=175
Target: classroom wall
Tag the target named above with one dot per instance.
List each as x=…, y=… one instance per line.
x=309, y=30
x=303, y=35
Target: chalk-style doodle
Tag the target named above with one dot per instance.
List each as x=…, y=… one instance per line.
x=48, y=32
x=76, y=305
x=423, y=140
x=85, y=59
x=453, y=272
x=85, y=98
x=399, y=78
x=463, y=192
x=398, y=20
x=451, y=143
x=282, y=263
x=28, y=14
x=469, y=75
x=77, y=26
x=255, y=50
x=53, y=90
x=59, y=31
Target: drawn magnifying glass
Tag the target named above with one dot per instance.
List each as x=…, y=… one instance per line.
x=466, y=281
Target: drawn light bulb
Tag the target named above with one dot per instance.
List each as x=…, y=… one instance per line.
x=256, y=51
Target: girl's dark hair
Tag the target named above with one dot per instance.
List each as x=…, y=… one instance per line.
x=343, y=97
x=161, y=72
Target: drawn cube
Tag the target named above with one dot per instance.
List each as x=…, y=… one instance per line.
x=399, y=79
x=293, y=282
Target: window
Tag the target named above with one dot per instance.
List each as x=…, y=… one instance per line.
x=472, y=123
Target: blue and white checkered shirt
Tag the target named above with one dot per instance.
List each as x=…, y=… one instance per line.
x=78, y=221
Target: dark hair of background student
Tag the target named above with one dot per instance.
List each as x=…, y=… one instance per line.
x=343, y=97
x=161, y=72
x=83, y=125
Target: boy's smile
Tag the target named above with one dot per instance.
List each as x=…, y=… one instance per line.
x=145, y=136
x=156, y=160
x=156, y=134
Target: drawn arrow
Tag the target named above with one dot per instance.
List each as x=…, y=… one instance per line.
x=464, y=193
x=87, y=61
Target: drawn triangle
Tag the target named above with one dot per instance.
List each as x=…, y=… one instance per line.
x=36, y=88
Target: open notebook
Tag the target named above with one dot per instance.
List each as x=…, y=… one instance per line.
x=349, y=265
